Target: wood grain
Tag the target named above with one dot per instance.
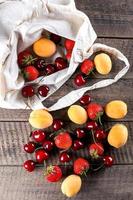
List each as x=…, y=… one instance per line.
x=109, y=19
x=13, y=135
x=113, y=183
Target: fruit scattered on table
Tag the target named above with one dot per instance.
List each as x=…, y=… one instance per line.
x=43, y=90
x=29, y=165
x=38, y=135
x=85, y=100
x=81, y=166
x=118, y=135
x=108, y=161
x=64, y=157
x=63, y=140
x=79, y=80
x=41, y=155
x=57, y=124
x=96, y=150
x=30, y=147
x=71, y=185
x=116, y=109
x=53, y=173
x=87, y=66
x=103, y=63
x=77, y=114
x=95, y=111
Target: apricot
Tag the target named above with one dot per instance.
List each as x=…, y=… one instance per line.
x=71, y=185
x=116, y=109
x=118, y=135
x=103, y=63
x=40, y=119
x=44, y=47
x=77, y=114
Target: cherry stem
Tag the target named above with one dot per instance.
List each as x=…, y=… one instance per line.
x=100, y=167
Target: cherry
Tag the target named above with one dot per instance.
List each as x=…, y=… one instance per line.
x=41, y=155
x=29, y=165
x=100, y=134
x=86, y=99
x=79, y=80
x=30, y=147
x=77, y=144
x=64, y=157
x=48, y=145
x=108, y=161
x=92, y=125
x=60, y=63
x=49, y=69
x=39, y=135
x=80, y=133
x=57, y=124
x=40, y=64
x=55, y=38
x=28, y=91
x=43, y=90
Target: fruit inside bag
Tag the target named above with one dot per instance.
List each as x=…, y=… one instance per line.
x=28, y=30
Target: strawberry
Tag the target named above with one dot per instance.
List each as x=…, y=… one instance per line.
x=87, y=67
x=53, y=173
x=96, y=150
x=81, y=166
x=69, y=44
x=95, y=111
x=30, y=73
x=63, y=140
x=68, y=55
x=25, y=58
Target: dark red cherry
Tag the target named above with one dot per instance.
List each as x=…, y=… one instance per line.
x=100, y=134
x=40, y=64
x=41, y=155
x=57, y=124
x=48, y=145
x=43, y=90
x=49, y=69
x=60, y=63
x=92, y=125
x=86, y=99
x=77, y=144
x=29, y=165
x=108, y=161
x=80, y=133
x=55, y=38
x=29, y=147
x=39, y=135
x=79, y=80
x=28, y=91
x=64, y=157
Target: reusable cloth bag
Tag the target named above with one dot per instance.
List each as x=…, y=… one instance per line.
x=21, y=24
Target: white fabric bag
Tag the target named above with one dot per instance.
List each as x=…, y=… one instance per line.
x=21, y=24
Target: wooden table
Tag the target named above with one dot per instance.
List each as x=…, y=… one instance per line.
x=113, y=22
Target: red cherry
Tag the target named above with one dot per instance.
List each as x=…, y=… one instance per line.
x=43, y=90
x=27, y=91
x=64, y=157
x=80, y=133
x=57, y=124
x=91, y=125
x=39, y=135
x=69, y=44
x=29, y=165
x=100, y=134
x=30, y=147
x=49, y=69
x=40, y=64
x=60, y=63
x=55, y=38
x=41, y=155
x=79, y=80
x=87, y=67
x=48, y=145
x=108, y=161
x=77, y=144
x=86, y=99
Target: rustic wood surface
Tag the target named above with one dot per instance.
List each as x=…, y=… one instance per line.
x=113, y=22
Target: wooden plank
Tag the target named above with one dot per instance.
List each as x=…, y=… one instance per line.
x=112, y=19
x=13, y=135
x=113, y=183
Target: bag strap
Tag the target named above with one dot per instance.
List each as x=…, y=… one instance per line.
x=69, y=4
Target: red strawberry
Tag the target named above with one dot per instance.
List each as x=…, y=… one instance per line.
x=87, y=67
x=30, y=73
x=95, y=111
x=63, y=140
x=25, y=58
x=69, y=44
x=96, y=150
x=68, y=55
x=81, y=166
x=53, y=173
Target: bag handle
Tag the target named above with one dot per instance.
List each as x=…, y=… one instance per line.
x=75, y=95
x=70, y=4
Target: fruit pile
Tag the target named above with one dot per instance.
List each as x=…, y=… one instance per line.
x=35, y=62
x=50, y=136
